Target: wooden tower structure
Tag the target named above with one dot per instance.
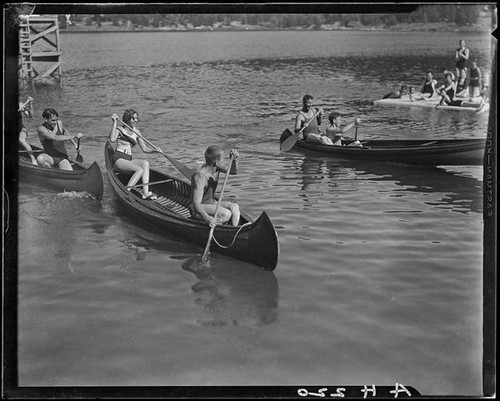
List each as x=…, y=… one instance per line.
x=39, y=48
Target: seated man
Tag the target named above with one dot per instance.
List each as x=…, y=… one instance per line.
x=52, y=135
x=308, y=121
x=204, y=183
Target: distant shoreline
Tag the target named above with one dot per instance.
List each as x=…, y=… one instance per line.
x=438, y=27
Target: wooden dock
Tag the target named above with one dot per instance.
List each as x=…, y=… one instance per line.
x=39, y=49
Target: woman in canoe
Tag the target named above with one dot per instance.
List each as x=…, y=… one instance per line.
x=52, y=134
x=204, y=183
x=335, y=131
x=126, y=137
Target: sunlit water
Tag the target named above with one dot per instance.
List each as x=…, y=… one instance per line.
x=380, y=273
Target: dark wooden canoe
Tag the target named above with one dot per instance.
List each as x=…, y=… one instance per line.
x=81, y=179
x=255, y=241
x=432, y=152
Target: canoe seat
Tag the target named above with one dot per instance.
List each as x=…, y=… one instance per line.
x=168, y=204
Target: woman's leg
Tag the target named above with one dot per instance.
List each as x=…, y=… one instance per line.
x=44, y=160
x=144, y=165
x=65, y=164
x=129, y=167
x=223, y=214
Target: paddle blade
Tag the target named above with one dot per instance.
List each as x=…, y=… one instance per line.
x=290, y=141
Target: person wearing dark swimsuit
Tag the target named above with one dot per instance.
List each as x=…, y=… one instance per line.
x=429, y=86
x=204, y=183
x=475, y=80
x=448, y=94
x=461, y=57
x=126, y=137
x=52, y=135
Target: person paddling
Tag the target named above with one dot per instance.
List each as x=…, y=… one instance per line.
x=312, y=117
x=26, y=109
x=126, y=137
x=204, y=183
x=52, y=134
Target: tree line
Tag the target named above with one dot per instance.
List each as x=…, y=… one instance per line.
x=461, y=15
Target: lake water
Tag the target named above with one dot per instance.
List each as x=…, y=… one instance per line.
x=379, y=279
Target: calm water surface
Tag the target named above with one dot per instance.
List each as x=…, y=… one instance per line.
x=380, y=272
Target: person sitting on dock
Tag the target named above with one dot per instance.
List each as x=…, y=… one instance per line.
x=126, y=137
x=312, y=117
x=448, y=93
x=52, y=135
x=415, y=95
x=335, y=131
x=204, y=183
x=429, y=85
x=26, y=109
x=400, y=94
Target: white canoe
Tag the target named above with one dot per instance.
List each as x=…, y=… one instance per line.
x=430, y=103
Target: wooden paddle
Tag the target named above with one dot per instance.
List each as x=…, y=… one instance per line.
x=290, y=141
x=204, y=258
x=79, y=157
x=21, y=108
x=186, y=171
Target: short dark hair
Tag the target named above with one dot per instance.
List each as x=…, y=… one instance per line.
x=49, y=112
x=213, y=154
x=307, y=97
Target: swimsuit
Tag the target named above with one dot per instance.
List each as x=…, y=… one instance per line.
x=54, y=149
x=427, y=88
x=208, y=195
x=461, y=86
x=312, y=128
x=474, y=78
x=451, y=92
x=461, y=62
x=123, y=152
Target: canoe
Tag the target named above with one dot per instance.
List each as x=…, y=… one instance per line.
x=431, y=103
x=433, y=152
x=81, y=179
x=254, y=241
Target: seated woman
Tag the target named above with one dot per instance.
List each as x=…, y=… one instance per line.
x=26, y=109
x=448, y=93
x=334, y=131
x=126, y=137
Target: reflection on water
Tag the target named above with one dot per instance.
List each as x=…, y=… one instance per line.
x=462, y=192
x=234, y=293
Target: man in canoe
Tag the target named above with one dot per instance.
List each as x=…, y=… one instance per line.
x=204, y=183
x=52, y=135
x=26, y=109
x=308, y=121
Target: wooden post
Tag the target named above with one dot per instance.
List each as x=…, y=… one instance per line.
x=39, y=48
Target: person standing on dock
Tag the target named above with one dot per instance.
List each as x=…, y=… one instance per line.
x=52, y=135
x=461, y=58
x=204, y=183
x=475, y=81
